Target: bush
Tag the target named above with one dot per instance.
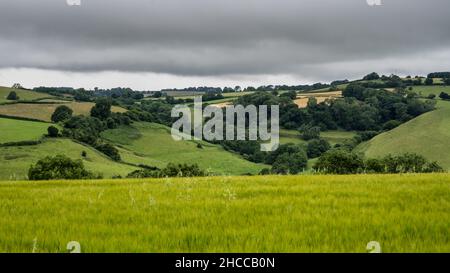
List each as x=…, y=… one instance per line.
x=53, y=131
x=58, y=167
x=317, y=147
x=62, y=113
x=444, y=96
x=109, y=150
x=12, y=96
x=339, y=161
x=408, y=163
x=391, y=125
x=431, y=96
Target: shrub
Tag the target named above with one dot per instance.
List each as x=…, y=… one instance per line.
x=109, y=150
x=52, y=131
x=431, y=96
x=12, y=96
x=58, y=167
x=62, y=113
x=444, y=96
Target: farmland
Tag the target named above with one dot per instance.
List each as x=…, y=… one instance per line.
x=12, y=130
x=405, y=213
x=152, y=144
x=44, y=111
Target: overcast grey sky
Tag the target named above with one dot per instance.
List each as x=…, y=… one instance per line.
x=153, y=44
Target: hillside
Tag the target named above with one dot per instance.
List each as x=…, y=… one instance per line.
x=428, y=135
x=152, y=144
x=24, y=95
x=405, y=213
x=16, y=160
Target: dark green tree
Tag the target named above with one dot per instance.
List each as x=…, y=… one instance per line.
x=58, y=167
x=339, y=161
x=62, y=113
x=52, y=131
x=12, y=96
x=102, y=109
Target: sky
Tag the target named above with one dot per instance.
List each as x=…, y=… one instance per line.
x=155, y=44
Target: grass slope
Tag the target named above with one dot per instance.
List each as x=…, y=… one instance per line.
x=44, y=111
x=405, y=213
x=333, y=136
x=152, y=144
x=15, y=161
x=23, y=94
x=428, y=135
x=12, y=130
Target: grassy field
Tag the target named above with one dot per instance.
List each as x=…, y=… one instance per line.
x=23, y=94
x=15, y=161
x=428, y=135
x=334, y=136
x=152, y=144
x=428, y=90
x=404, y=213
x=12, y=130
x=44, y=111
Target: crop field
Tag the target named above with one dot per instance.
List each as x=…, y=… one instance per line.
x=15, y=161
x=404, y=213
x=303, y=98
x=23, y=94
x=44, y=111
x=12, y=130
x=427, y=135
x=152, y=144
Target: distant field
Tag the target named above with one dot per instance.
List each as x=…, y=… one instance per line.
x=45, y=111
x=15, y=161
x=404, y=213
x=152, y=144
x=427, y=135
x=334, y=136
x=303, y=98
x=23, y=94
x=12, y=130
x=428, y=90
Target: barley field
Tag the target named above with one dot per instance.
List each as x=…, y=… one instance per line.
x=404, y=213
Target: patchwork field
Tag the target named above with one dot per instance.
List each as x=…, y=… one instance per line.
x=44, y=111
x=12, y=130
x=404, y=213
x=302, y=99
x=15, y=161
x=23, y=94
x=427, y=135
x=152, y=144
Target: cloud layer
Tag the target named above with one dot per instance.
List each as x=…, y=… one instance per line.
x=215, y=38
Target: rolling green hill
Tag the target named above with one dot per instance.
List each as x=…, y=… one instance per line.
x=152, y=144
x=404, y=213
x=428, y=135
x=15, y=161
x=23, y=94
x=12, y=130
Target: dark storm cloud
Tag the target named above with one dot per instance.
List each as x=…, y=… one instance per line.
x=221, y=37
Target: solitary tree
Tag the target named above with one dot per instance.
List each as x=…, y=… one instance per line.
x=12, y=96
x=52, y=131
x=58, y=167
x=62, y=113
